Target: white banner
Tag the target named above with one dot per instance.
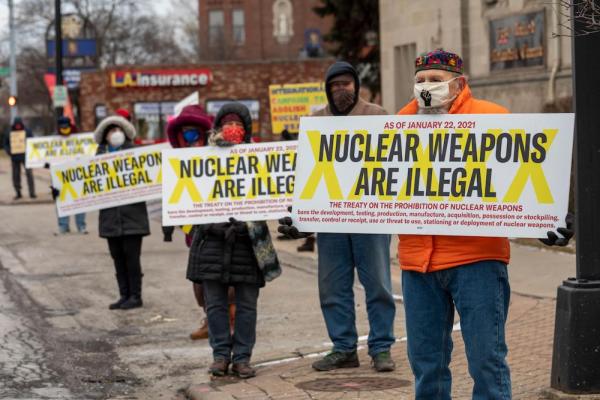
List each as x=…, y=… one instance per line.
x=108, y=180
x=481, y=175
x=249, y=182
x=56, y=149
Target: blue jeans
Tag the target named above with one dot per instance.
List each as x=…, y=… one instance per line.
x=239, y=347
x=481, y=293
x=63, y=223
x=339, y=254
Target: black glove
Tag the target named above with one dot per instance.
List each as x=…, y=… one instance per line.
x=46, y=165
x=168, y=233
x=567, y=233
x=55, y=192
x=286, y=227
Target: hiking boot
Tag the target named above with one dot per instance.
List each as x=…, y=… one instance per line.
x=309, y=244
x=382, y=362
x=132, y=302
x=200, y=333
x=335, y=360
x=116, y=305
x=219, y=367
x=243, y=370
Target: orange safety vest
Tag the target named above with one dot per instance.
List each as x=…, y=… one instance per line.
x=427, y=253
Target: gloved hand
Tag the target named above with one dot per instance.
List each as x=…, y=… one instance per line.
x=168, y=233
x=567, y=233
x=55, y=192
x=46, y=165
x=286, y=227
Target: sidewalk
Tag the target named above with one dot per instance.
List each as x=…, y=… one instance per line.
x=535, y=275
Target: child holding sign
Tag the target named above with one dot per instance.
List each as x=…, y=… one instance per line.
x=123, y=226
x=232, y=254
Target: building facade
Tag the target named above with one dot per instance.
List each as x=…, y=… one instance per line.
x=515, y=52
x=150, y=93
x=260, y=29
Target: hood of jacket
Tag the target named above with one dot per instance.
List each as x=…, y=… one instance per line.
x=337, y=69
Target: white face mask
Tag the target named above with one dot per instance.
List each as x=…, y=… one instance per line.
x=433, y=94
x=117, y=138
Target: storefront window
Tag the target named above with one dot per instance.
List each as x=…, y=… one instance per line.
x=151, y=120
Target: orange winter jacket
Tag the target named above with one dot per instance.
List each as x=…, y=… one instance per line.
x=426, y=253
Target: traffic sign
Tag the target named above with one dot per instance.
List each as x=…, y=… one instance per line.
x=60, y=96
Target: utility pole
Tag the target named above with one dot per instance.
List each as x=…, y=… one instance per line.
x=576, y=356
x=13, y=59
x=58, y=50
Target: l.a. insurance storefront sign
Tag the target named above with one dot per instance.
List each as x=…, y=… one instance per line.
x=153, y=78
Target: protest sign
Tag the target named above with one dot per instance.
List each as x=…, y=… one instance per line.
x=249, y=182
x=479, y=175
x=108, y=180
x=56, y=149
x=292, y=101
x=17, y=142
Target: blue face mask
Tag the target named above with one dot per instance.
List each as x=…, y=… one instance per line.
x=191, y=135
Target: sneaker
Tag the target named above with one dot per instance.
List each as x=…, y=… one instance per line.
x=219, y=367
x=382, y=362
x=132, y=302
x=335, y=360
x=82, y=231
x=243, y=370
x=32, y=196
x=17, y=196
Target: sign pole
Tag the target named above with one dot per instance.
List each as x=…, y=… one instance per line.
x=576, y=355
x=13, y=60
x=58, y=51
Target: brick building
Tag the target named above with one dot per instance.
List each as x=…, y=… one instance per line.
x=151, y=92
x=246, y=45
x=260, y=29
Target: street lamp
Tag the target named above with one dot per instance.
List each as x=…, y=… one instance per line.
x=576, y=355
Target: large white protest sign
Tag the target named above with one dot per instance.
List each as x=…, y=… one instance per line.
x=249, y=182
x=481, y=175
x=56, y=149
x=108, y=180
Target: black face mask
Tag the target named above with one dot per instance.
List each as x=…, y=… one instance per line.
x=343, y=100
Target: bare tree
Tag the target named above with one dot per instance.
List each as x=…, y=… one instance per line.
x=585, y=12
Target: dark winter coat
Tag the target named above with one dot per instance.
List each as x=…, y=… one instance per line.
x=238, y=252
x=6, y=144
x=131, y=219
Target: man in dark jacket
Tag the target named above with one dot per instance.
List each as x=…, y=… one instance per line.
x=341, y=253
x=123, y=226
x=14, y=145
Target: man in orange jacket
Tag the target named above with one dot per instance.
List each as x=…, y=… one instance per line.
x=466, y=272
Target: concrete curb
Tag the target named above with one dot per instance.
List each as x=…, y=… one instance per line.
x=553, y=394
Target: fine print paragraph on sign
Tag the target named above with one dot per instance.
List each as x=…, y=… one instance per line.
x=473, y=175
x=108, y=180
x=250, y=182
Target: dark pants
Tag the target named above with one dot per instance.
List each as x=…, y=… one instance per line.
x=125, y=252
x=16, y=175
x=239, y=347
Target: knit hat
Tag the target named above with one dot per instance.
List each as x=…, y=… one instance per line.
x=123, y=113
x=231, y=117
x=193, y=115
x=439, y=59
x=110, y=122
x=63, y=121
